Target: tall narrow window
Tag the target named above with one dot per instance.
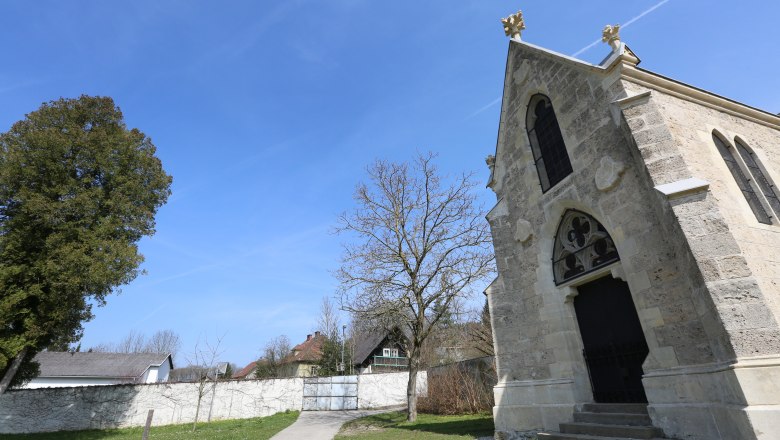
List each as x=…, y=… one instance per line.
x=550, y=156
x=727, y=154
x=767, y=188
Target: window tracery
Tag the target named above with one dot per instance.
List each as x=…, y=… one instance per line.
x=582, y=245
x=743, y=182
x=549, y=150
x=762, y=181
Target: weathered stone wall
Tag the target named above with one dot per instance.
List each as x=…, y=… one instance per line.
x=97, y=407
x=115, y=406
x=734, y=254
x=702, y=300
x=541, y=371
x=387, y=389
x=755, y=255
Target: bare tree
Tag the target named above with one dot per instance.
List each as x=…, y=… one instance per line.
x=269, y=365
x=163, y=341
x=204, y=359
x=134, y=342
x=328, y=322
x=419, y=242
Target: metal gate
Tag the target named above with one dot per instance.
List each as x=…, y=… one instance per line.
x=330, y=393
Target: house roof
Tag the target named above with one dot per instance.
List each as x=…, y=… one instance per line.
x=366, y=344
x=309, y=350
x=85, y=364
x=369, y=341
x=244, y=372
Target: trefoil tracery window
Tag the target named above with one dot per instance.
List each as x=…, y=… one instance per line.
x=582, y=245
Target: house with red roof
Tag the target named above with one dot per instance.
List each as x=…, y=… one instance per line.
x=302, y=361
x=304, y=358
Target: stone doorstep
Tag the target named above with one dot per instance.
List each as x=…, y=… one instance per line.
x=610, y=430
x=622, y=408
x=613, y=418
x=559, y=436
x=607, y=421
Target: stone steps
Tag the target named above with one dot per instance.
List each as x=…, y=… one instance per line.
x=623, y=408
x=559, y=436
x=611, y=430
x=613, y=418
x=608, y=421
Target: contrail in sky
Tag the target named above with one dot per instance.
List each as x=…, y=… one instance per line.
x=491, y=104
x=623, y=26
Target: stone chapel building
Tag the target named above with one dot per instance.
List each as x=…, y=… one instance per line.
x=637, y=240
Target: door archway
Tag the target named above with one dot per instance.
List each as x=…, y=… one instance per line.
x=614, y=345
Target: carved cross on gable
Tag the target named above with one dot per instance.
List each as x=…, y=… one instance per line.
x=514, y=25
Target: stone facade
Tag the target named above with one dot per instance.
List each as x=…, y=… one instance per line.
x=703, y=273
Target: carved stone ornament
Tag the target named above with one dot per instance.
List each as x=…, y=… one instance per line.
x=609, y=173
x=514, y=25
x=610, y=36
x=521, y=73
x=491, y=162
x=523, y=231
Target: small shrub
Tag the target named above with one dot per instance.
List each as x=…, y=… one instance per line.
x=456, y=389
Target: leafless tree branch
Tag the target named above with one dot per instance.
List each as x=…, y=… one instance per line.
x=418, y=241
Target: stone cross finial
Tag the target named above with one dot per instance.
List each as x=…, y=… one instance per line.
x=514, y=25
x=610, y=36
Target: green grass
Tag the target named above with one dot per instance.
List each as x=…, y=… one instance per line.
x=393, y=426
x=255, y=429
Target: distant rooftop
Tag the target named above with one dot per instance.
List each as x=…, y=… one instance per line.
x=86, y=364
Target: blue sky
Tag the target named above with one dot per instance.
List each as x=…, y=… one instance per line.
x=267, y=113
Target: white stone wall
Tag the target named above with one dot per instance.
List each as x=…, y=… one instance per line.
x=117, y=406
x=57, y=382
x=387, y=389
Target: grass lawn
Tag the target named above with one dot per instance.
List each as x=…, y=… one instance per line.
x=255, y=429
x=393, y=426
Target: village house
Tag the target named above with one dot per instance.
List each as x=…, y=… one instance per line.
x=304, y=358
x=636, y=234
x=379, y=352
x=66, y=369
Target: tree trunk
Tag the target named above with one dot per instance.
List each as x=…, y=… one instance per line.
x=411, y=387
x=197, y=407
x=9, y=375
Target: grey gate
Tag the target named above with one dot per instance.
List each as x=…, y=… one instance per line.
x=330, y=393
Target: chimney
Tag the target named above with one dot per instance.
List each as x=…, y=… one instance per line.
x=308, y=337
x=316, y=334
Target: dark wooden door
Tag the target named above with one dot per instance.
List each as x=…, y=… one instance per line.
x=615, y=346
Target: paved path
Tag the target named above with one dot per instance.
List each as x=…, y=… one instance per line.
x=322, y=425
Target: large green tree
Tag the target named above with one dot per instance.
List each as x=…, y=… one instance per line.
x=78, y=190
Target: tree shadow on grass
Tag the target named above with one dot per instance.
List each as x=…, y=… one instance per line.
x=473, y=427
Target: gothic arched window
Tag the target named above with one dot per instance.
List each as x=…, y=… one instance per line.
x=582, y=245
x=550, y=156
x=727, y=153
x=762, y=181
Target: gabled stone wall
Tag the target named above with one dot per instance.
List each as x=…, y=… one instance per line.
x=699, y=303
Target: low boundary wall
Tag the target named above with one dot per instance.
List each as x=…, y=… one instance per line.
x=118, y=406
